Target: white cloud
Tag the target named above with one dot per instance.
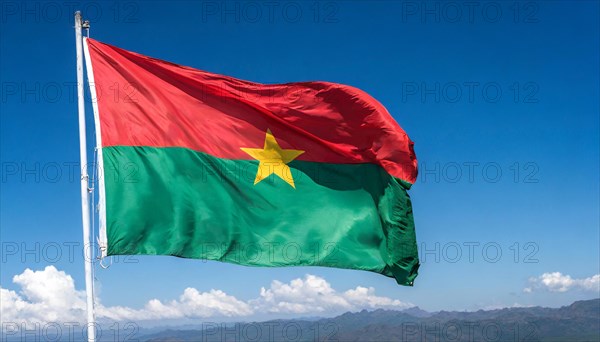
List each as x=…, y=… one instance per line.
x=191, y=304
x=315, y=295
x=45, y=296
x=50, y=295
x=558, y=282
x=500, y=307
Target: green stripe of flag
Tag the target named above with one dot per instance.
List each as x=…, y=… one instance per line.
x=176, y=201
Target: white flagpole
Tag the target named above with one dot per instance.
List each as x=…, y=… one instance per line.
x=85, y=206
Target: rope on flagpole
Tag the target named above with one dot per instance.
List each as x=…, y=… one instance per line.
x=94, y=210
x=99, y=258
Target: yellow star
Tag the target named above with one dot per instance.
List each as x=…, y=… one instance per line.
x=273, y=159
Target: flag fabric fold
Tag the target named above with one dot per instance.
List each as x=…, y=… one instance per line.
x=200, y=165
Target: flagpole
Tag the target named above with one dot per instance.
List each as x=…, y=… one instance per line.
x=85, y=206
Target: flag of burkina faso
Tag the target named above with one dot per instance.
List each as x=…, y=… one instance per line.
x=201, y=165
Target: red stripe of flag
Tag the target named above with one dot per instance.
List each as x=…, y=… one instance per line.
x=148, y=102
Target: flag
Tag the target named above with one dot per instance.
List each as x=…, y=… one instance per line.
x=206, y=166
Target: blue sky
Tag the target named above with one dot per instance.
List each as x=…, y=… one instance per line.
x=501, y=99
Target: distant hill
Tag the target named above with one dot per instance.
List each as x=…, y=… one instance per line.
x=579, y=321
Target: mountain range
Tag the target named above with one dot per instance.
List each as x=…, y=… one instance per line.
x=579, y=321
